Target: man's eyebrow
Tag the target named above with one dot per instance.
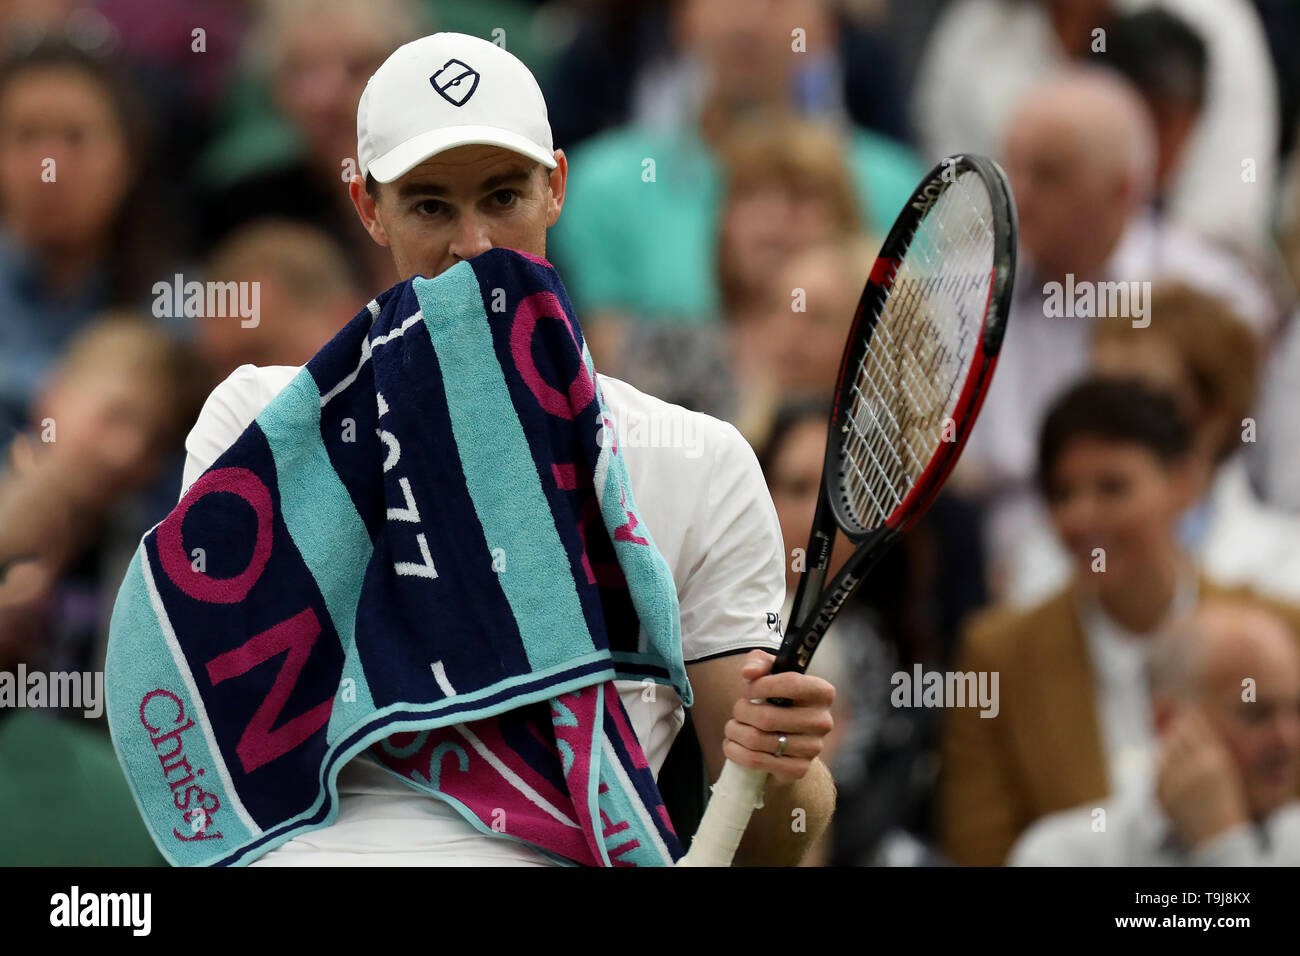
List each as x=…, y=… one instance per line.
x=421, y=190
x=417, y=189
x=513, y=177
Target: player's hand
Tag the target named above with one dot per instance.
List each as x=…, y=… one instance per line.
x=752, y=736
x=1197, y=783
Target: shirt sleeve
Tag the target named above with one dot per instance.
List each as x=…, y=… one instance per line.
x=732, y=597
x=229, y=410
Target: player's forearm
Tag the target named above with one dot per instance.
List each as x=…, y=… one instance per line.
x=793, y=816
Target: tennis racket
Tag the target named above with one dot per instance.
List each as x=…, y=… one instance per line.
x=916, y=367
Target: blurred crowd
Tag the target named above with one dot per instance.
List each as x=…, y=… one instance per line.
x=1120, y=543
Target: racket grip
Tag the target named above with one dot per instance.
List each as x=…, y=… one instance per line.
x=736, y=795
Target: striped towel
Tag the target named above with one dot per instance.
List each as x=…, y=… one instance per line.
x=424, y=548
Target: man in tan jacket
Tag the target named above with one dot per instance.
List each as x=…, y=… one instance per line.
x=1073, y=721
x=1225, y=694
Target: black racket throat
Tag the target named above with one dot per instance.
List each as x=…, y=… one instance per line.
x=822, y=601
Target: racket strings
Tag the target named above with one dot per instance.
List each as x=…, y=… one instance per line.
x=907, y=385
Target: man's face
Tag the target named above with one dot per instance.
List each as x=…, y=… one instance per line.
x=1262, y=734
x=802, y=349
x=765, y=226
x=461, y=203
x=1072, y=209
x=324, y=64
x=292, y=327
x=747, y=43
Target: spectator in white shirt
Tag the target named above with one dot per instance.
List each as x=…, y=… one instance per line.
x=1225, y=690
x=985, y=54
x=1081, y=157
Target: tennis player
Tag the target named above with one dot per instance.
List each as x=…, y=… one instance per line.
x=455, y=157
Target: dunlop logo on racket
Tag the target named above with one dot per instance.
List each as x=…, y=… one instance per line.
x=930, y=194
x=817, y=630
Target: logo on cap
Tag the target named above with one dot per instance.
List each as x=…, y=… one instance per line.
x=455, y=82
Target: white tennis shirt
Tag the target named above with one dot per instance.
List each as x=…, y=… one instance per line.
x=699, y=490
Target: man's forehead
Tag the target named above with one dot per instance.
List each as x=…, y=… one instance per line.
x=469, y=167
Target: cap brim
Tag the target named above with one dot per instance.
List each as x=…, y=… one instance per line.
x=402, y=159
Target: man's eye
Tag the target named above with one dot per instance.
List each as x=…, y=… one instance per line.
x=429, y=207
x=505, y=197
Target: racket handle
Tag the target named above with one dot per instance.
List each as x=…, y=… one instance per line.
x=736, y=795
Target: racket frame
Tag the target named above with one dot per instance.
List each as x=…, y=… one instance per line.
x=739, y=789
x=816, y=603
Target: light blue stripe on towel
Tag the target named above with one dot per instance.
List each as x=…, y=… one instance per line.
x=496, y=461
x=320, y=516
x=144, y=682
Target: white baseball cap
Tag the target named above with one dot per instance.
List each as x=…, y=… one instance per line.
x=449, y=90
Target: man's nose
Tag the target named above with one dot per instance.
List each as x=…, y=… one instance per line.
x=471, y=238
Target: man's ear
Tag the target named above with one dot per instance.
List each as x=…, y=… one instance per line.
x=367, y=211
x=559, y=178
